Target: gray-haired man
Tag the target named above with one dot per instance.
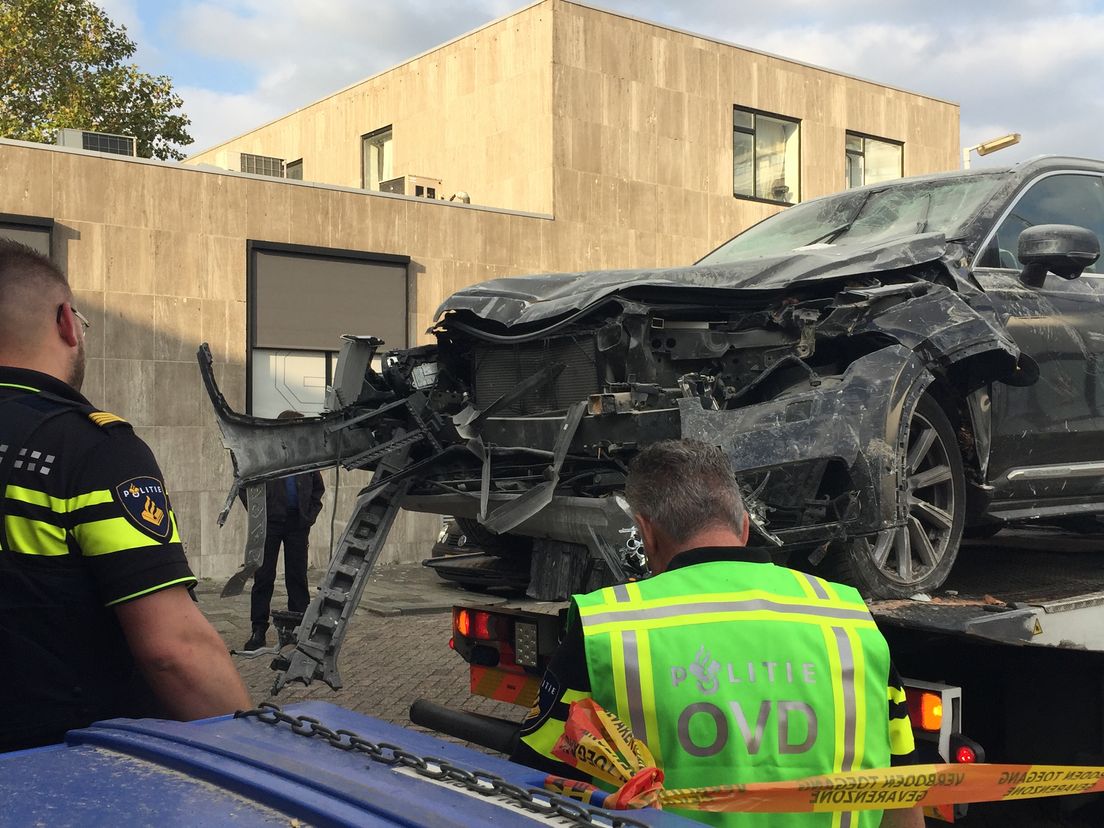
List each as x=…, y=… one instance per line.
x=730, y=669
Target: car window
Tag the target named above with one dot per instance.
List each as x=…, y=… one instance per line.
x=866, y=216
x=1058, y=199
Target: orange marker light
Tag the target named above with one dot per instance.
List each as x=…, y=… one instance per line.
x=925, y=710
x=462, y=622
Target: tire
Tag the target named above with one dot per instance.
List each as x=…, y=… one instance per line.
x=916, y=558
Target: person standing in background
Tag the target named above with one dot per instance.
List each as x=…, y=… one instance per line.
x=293, y=504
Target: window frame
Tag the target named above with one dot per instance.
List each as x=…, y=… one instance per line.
x=298, y=165
x=33, y=223
x=847, y=153
x=364, y=140
x=1026, y=187
x=756, y=113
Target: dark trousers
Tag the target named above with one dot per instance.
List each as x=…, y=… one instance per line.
x=294, y=539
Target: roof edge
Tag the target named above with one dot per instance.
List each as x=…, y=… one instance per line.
x=209, y=169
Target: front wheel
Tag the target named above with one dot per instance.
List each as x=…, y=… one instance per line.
x=918, y=556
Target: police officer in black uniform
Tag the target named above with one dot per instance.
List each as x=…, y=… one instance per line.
x=96, y=616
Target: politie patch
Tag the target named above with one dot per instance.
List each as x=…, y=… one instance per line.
x=550, y=692
x=146, y=504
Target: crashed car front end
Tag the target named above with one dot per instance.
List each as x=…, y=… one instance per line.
x=523, y=416
x=804, y=386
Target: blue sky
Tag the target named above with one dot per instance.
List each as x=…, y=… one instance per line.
x=1028, y=66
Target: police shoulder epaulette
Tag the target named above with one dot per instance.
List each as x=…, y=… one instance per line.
x=104, y=419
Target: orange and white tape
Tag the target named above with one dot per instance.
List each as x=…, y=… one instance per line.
x=597, y=743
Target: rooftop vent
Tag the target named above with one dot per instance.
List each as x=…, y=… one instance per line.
x=412, y=185
x=98, y=141
x=262, y=165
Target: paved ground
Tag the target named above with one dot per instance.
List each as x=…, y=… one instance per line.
x=396, y=650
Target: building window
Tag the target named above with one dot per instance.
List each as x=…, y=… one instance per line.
x=376, y=148
x=294, y=170
x=29, y=230
x=301, y=301
x=870, y=160
x=765, y=156
x=262, y=165
x=290, y=380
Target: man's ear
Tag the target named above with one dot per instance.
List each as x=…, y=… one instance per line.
x=745, y=531
x=67, y=324
x=649, y=535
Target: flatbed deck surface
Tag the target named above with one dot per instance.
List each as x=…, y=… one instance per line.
x=1002, y=585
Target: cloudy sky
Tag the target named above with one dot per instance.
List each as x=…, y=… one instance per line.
x=1028, y=66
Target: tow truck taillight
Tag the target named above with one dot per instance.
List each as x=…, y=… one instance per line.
x=478, y=624
x=965, y=751
x=925, y=709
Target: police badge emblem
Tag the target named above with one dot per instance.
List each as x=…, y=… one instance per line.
x=146, y=505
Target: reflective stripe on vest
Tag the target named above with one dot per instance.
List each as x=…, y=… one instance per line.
x=768, y=716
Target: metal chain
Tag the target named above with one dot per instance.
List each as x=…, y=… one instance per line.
x=536, y=800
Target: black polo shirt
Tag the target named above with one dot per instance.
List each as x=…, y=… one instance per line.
x=86, y=525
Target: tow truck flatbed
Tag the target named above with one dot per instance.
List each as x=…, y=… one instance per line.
x=1039, y=587
x=1043, y=587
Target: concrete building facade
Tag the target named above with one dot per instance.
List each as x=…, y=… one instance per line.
x=584, y=140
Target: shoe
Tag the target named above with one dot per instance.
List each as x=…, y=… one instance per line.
x=258, y=639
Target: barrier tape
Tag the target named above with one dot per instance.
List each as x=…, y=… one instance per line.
x=599, y=744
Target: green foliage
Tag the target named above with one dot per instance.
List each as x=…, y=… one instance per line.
x=62, y=65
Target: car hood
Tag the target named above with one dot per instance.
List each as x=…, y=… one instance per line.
x=518, y=300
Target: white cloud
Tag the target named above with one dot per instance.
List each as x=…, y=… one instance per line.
x=1030, y=66
x=217, y=116
x=123, y=12
x=298, y=52
x=1036, y=75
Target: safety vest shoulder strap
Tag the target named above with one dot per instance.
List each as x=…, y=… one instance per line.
x=683, y=597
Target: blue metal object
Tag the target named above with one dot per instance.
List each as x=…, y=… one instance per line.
x=246, y=772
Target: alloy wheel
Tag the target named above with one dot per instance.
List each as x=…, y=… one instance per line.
x=909, y=553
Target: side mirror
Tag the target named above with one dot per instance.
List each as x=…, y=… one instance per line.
x=1061, y=249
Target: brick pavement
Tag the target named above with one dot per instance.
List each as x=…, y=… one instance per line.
x=396, y=649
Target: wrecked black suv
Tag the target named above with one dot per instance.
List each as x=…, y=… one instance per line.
x=887, y=368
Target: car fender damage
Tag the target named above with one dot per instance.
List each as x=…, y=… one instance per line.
x=855, y=422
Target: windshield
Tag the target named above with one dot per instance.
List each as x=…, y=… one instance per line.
x=866, y=216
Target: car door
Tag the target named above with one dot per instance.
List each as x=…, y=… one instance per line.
x=1048, y=438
